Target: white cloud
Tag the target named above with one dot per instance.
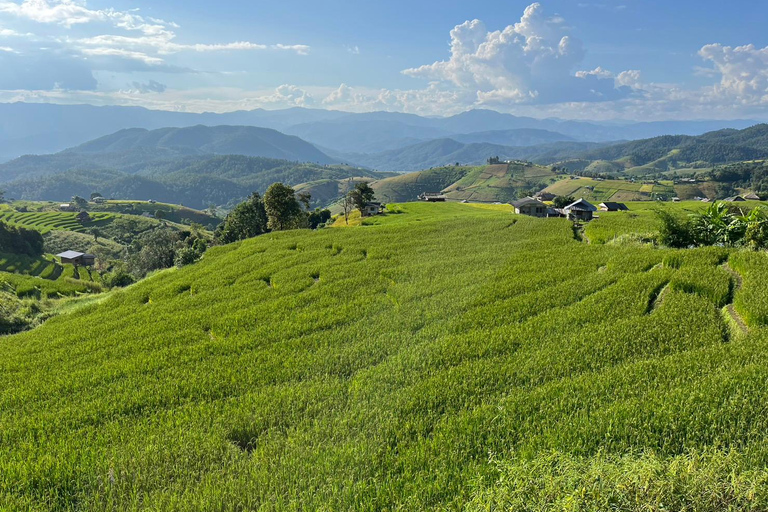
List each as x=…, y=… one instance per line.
x=530, y=61
x=149, y=36
x=7, y=49
x=743, y=71
x=288, y=96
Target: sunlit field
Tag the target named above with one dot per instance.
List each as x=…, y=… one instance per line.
x=440, y=357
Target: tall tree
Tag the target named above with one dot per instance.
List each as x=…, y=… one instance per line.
x=283, y=209
x=362, y=194
x=247, y=220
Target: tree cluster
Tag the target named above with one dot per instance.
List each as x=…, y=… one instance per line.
x=281, y=208
x=20, y=241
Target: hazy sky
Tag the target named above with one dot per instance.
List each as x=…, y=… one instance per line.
x=624, y=59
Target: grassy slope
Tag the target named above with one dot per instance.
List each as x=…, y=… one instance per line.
x=486, y=183
x=378, y=368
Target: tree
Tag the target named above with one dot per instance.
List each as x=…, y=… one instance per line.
x=318, y=217
x=2, y=195
x=563, y=201
x=79, y=201
x=159, y=214
x=304, y=198
x=347, y=205
x=362, y=194
x=247, y=220
x=96, y=234
x=283, y=209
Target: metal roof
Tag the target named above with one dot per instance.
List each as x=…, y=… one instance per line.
x=581, y=204
x=70, y=254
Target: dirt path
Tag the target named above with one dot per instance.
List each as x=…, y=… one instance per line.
x=738, y=282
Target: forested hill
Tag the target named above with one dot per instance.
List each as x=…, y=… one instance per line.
x=717, y=147
x=219, y=140
x=192, y=181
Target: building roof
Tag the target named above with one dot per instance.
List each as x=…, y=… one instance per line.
x=752, y=196
x=614, y=206
x=70, y=255
x=527, y=200
x=581, y=204
x=733, y=199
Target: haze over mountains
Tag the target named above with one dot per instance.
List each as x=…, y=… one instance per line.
x=37, y=128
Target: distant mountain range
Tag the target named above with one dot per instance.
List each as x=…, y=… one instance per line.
x=39, y=128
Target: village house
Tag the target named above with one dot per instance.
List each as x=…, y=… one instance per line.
x=371, y=208
x=99, y=200
x=751, y=197
x=530, y=206
x=67, y=207
x=83, y=217
x=76, y=258
x=734, y=199
x=580, y=210
x=612, y=207
x=432, y=197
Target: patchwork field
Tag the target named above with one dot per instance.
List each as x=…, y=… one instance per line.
x=613, y=190
x=444, y=357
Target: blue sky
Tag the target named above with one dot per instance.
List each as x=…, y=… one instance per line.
x=603, y=59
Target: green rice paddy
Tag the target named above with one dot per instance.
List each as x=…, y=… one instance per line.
x=444, y=357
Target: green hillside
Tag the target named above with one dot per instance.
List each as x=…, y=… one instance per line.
x=487, y=183
x=449, y=357
x=193, y=181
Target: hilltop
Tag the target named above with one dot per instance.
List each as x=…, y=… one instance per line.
x=378, y=367
x=485, y=183
x=676, y=152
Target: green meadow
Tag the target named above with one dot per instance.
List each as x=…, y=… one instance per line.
x=440, y=357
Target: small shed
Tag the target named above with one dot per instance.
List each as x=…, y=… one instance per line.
x=76, y=258
x=530, y=206
x=371, y=208
x=433, y=197
x=751, y=197
x=83, y=217
x=580, y=210
x=613, y=207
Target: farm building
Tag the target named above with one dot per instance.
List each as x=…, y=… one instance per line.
x=83, y=217
x=372, y=208
x=734, y=199
x=99, y=200
x=613, y=207
x=580, y=210
x=432, y=197
x=530, y=206
x=751, y=197
x=76, y=258
x=67, y=207
x=545, y=196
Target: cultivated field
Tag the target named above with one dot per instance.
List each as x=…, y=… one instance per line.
x=444, y=357
x=47, y=221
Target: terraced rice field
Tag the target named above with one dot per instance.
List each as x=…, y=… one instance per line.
x=447, y=357
x=47, y=221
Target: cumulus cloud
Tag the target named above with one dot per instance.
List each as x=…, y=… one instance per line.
x=531, y=61
x=743, y=71
x=288, y=95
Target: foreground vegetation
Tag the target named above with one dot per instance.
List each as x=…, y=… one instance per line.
x=442, y=357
